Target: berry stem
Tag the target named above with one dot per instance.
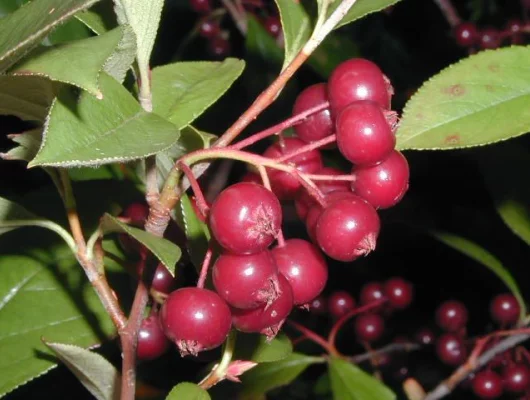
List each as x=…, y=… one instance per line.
x=306, y=148
x=308, y=333
x=278, y=128
x=218, y=373
x=237, y=15
x=332, y=338
x=391, y=348
x=197, y=191
x=316, y=177
x=449, y=12
x=204, y=267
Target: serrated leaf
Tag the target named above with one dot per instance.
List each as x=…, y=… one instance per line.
x=257, y=348
x=480, y=100
x=26, y=97
x=183, y=91
x=96, y=374
x=268, y=376
x=29, y=143
x=349, y=382
x=362, y=8
x=89, y=132
x=188, y=391
x=296, y=27
x=100, y=18
x=167, y=252
x=123, y=56
x=25, y=28
x=44, y=298
x=480, y=255
x=84, y=58
x=506, y=173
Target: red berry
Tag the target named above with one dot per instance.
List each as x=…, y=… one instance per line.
x=246, y=281
x=245, y=218
x=505, y=309
x=304, y=267
x=451, y=349
x=152, y=342
x=364, y=135
x=451, y=316
x=371, y=292
x=369, y=327
x=273, y=25
x=303, y=201
x=267, y=319
x=516, y=378
x=489, y=38
x=137, y=213
x=487, y=385
x=514, y=26
x=466, y=34
x=251, y=177
x=383, y=185
x=219, y=47
x=319, y=305
x=348, y=229
x=425, y=336
x=209, y=29
x=283, y=184
x=195, y=319
x=200, y=6
x=358, y=79
x=319, y=125
x=340, y=303
x=163, y=281
x=399, y=293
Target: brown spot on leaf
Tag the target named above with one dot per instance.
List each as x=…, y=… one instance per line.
x=494, y=67
x=454, y=90
x=452, y=139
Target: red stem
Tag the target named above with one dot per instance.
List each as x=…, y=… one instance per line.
x=308, y=147
x=316, y=177
x=308, y=333
x=197, y=191
x=204, y=268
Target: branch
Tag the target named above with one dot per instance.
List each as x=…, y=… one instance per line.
x=391, y=348
x=449, y=12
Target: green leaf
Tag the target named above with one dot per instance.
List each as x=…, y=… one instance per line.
x=183, y=91
x=506, y=173
x=29, y=143
x=296, y=28
x=267, y=376
x=188, y=391
x=96, y=374
x=44, y=297
x=167, y=252
x=26, y=97
x=480, y=100
x=28, y=25
x=480, y=255
x=260, y=43
x=8, y=6
x=88, y=131
x=123, y=56
x=100, y=18
x=70, y=31
x=362, y=8
x=85, y=60
x=257, y=348
x=349, y=382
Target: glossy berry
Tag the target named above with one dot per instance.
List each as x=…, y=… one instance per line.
x=152, y=342
x=163, y=281
x=358, y=79
x=516, y=378
x=505, y=309
x=302, y=203
x=489, y=38
x=371, y=292
x=304, y=267
x=514, y=26
x=283, y=184
x=466, y=34
x=273, y=25
x=319, y=125
x=364, y=135
x=399, y=293
x=319, y=305
x=201, y=6
x=195, y=319
x=340, y=303
x=451, y=316
x=245, y=218
x=369, y=327
x=383, y=185
x=209, y=29
x=425, y=336
x=266, y=320
x=219, y=47
x=451, y=349
x=348, y=229
x=487, y=385
x=137, y=213
x=246, y=281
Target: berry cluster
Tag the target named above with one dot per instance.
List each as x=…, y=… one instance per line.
x=468, y=35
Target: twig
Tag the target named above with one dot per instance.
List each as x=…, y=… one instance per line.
x=239, y=18
x=391, y=348
x=309, y=334
x=151, y=180
x=449, y=12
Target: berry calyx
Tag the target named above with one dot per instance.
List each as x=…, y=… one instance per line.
x=382, y=185
x=399, y=293
x=267, y=320
x=451, y=349
x=195, y=319
x=246, y=281
x=516, y=378
x=245, y=218
x=371, y=292
x=369, y=327
x=283, y=184
x=340, y=303
x=466, y=34
x=319, y=125
x=487, y=385
x=452, y=316
x=152, y=342
x=304, y=267
x=505, y=309
x=364, y=135
x=358, y=79
x=348, y=229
